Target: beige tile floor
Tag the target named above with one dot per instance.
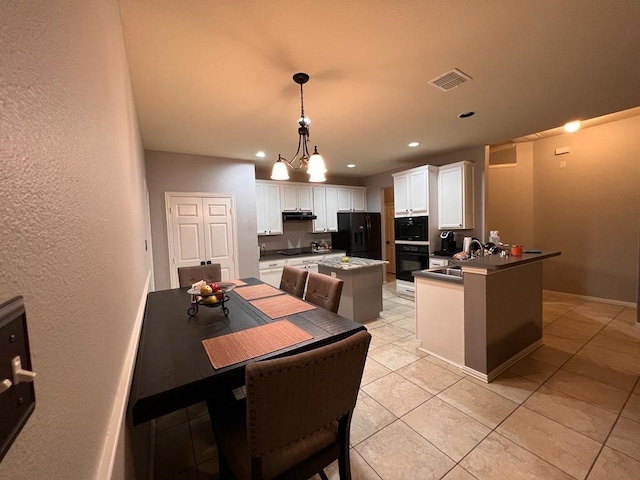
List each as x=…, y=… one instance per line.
x=571, y=409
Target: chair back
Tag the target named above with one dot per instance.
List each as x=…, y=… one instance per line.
x=293, y=280
x=190, y=275
x=291, y=397
x=324, y=291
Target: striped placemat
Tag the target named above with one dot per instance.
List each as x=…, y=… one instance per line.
x=258, y=291
x=247, y=344
x=237, y=282
x=280, y=306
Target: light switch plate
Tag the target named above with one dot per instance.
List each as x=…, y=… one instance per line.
x=19, y=401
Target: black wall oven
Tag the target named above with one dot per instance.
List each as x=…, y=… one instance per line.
x=409, y=258
x=412, y=229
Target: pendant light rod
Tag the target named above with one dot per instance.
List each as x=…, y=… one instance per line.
x=314, y=163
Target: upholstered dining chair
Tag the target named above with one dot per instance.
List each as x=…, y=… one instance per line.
x=293, y=280
x=190, y=275
x=324, y=291
x=296, y=417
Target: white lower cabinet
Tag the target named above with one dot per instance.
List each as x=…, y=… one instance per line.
x=306, y=263
x=438, y=262
x=440, y=319
x=271, y=272
x=272, y=276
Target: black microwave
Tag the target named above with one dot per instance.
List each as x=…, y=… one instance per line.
x=412, y=228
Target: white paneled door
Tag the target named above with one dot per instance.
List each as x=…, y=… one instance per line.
x=201, y=229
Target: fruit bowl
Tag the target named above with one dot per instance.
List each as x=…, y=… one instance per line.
x=215, y=296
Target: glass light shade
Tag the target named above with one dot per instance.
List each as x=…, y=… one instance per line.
x=316, y=164
x=279, y=171
x=317, y=177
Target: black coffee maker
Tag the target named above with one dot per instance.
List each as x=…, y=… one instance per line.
x=448, y=242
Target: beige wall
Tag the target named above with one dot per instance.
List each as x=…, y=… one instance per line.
x=589, y=209
x=72, y=226
x=510, y=198
x=175, y=172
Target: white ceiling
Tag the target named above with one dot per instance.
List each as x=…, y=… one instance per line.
x=214, y=77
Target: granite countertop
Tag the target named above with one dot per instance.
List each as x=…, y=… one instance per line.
x=496, y=262
x=490, y=262
x=354, y=263
x=295, y=252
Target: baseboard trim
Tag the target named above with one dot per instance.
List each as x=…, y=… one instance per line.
x=586, y=298
x=109, y=449
x=487, y=377
x=458, y=365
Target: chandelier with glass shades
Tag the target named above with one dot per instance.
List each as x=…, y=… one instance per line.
x=314, y=163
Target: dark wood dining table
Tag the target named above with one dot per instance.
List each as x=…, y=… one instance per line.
x=172, y=368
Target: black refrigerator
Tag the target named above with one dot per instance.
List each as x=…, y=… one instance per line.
x=360, y=234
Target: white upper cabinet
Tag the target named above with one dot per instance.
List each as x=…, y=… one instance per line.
x=455, y=196
x=411, y=192
x=352, y=199
x=358, y=200
x=296, y=198
x=325, y=207
x=325, y=201
x=331, y=199
x=268, y=211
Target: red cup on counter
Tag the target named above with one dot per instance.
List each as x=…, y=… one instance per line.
x=516, y=250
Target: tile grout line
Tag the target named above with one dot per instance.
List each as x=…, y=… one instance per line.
x=604, y=444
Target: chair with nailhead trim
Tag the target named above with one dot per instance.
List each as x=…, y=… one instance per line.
x=296, y=417
x=324, y=291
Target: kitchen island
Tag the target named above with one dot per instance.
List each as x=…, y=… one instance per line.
x=361, y=298
x=486, y=318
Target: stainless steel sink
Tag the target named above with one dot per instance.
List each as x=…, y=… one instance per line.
x=448, y=271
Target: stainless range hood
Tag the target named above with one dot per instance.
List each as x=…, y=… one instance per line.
x=298, y=216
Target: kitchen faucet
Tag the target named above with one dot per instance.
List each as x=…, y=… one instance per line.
x=481, y=254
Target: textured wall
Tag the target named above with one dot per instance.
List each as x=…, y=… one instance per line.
x=510, y=198
x=175, y=172
x=71, y=222
x=590, y=209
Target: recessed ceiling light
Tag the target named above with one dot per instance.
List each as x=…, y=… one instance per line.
x=414, y=144
x=572, y=126
x=351, y=165
x=261, y=154
x=466, y=114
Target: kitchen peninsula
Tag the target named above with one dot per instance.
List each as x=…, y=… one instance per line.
x=361, y=298
x=484, y=316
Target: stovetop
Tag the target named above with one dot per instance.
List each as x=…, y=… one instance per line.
x=295, y=251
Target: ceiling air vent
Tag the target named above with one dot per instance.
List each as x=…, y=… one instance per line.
x=449, y=80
